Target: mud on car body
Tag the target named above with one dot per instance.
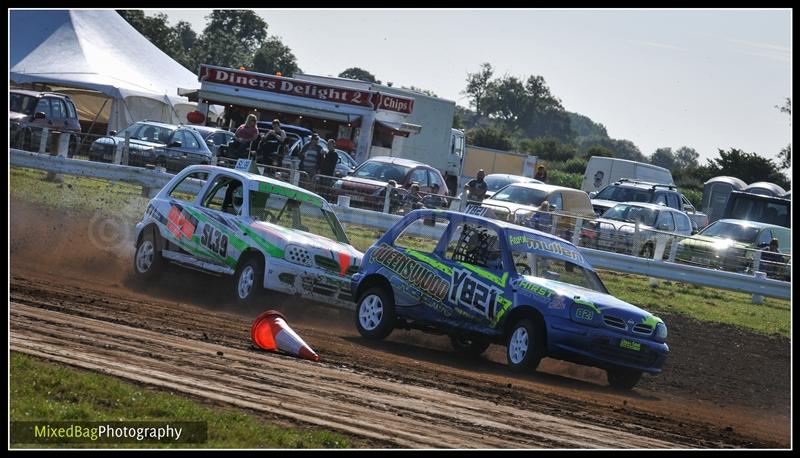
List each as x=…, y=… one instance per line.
x=484, y=281
x=257, y=230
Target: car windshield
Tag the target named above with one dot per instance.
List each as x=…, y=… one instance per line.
x=296, y=214
x=381, y=171
x=520, y=195
x=22, y=103
x=148, y=132
x=495, y=182
x=624, y=194
x=561, y=270
x=632, y=214
x=726, y=230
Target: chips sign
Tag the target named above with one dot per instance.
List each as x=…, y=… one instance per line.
x=307, y=89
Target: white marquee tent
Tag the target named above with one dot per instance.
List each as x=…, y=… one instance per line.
x=102, y=62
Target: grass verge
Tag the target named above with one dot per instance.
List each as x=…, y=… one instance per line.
x=49, y=391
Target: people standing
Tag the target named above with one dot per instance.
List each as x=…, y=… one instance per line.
x=246, y=133
x=541, y=174
x=476, y=188
x=312, y=146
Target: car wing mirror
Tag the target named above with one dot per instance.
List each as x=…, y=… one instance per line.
x=592, y=194
x=176, y=144
x=39, y=115
x=112, y=133
x=210, y=142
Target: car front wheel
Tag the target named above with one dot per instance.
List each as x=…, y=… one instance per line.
x=375, y=314
x=525, y=348
x=247, y=279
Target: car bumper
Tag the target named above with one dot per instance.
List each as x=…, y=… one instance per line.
x=312, y=282
x=598, y=346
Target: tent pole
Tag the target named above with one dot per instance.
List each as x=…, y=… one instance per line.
x=94, y=121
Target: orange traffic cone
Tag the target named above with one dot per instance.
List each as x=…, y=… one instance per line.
x=270, y=332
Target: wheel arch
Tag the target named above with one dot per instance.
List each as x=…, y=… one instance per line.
x=251, y=252
x=525, y=311
x=373, y=280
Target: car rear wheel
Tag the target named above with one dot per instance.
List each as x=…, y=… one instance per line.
x=525, y=348
x=375, y=316
x=147, y=261
x=246, y=280
x=469, y=346
x=623, y=379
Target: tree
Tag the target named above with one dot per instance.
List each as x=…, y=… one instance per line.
x=427, y=92
x=585, y=127
x=600, y=151
x=477, y=85
x=548, y=149
x=749, y=167
x=686, y=158
x=273, y=56
x=231, y=38
x=496, y=137
x=458, y=121
x=356, y=73
x=663, y=157
x=176, y=42
x=785, y=156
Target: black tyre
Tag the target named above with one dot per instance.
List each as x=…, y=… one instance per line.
x=469, y=346
x=375, y=315
x=525, y=346
x=623, y=379
x=147, y=261
x=247, y=279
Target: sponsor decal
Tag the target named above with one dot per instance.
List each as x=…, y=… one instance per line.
x=214, y=240
x=652, y=321
x=540, y=290
x=587, y=303
x=558, y=303
x=630, y=345
x=411, y=271
x=180, y=223
x=473, y=295
x=551, y=246
x=584, y=314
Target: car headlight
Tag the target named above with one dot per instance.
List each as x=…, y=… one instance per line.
x=297, y=255
x=661, y=332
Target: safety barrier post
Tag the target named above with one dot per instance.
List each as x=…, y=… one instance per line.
x=387, y=198
x=576, y=236
x=294, y=175
x=758, y=299
x=126, y=148
x=757, y=261
x=673, y=249
x=63, y=148
x=43, y=140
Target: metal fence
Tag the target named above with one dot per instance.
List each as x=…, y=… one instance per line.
x=643, y=251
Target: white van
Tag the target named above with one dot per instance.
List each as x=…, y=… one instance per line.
x=602, y=171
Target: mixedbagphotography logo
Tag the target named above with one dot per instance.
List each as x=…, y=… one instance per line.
x=111, y=233
x=114, y=432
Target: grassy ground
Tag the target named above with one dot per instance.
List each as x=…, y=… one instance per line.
x=706, y=304
x=53, y=392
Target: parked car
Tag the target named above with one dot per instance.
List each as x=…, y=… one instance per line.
x=259, y=231
x=494, y=182
x=215, y=137
x=731, y=244
x=366, y=186
x=626, y=190
x=635, y=228
x=484, y=281
x=518, y=203
x=155, y=143
x=602, y=171
x=757, y=207
x=346, y=164
x=30, y=111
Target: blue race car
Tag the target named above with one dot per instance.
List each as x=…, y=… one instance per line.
x=483, y=281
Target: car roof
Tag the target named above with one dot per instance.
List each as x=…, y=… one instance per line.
x=249, y=176
x=744, y=222
x=510, y=176
x=38, y=93
x=208, y=129
x=649, y=205
x=158, y=123
x=398, y=161
x=544, y=187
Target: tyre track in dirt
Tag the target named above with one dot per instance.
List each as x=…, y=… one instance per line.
x=386, y=399
x=312, y=393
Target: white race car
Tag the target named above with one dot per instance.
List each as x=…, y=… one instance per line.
x=256, y=229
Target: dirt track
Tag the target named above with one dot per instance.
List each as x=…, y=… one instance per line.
x=75, y=303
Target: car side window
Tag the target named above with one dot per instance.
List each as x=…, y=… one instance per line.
x=178, y=137
x=434, y=179
x=665, y=221
x=226, y=195
x=556, y=201
x=422, y=235
x=673, y=201
x=44, y=106
x=764, y=237
x=191, y=141
x=57, y=108
x=73, y=114
x=682, y=222
x=475, y=244
x=661, y=199
x=189, y=187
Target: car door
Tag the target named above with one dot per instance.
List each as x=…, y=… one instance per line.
x=479, y=285
x=193, y=150
x=665, y=223
x=224, y=200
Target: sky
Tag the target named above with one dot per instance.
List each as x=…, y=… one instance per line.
x=707, y=79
